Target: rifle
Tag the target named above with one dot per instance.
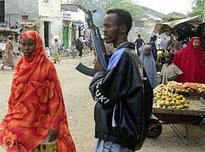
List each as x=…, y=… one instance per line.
x=98, y=44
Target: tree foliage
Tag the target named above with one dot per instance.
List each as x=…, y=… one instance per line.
x=198, y=7
x=103, y=5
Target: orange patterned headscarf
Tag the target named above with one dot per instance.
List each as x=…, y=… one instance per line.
x=35, y=104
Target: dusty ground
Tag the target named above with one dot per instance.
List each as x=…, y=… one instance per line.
x=79, y=106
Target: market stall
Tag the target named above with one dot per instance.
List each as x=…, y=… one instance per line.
x=177, y=103
x=173, y=27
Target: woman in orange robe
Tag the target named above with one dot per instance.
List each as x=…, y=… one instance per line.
x=8, y=53
x=36, y=111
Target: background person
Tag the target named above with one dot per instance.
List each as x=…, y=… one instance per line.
x=169, y=70
x=55, y=50
x=8, y=53
x=148, y=63
x=36, y=111
x=190, y=60
x=153, y=46
x=159, y=41
x=173, y=44
x=138, y=43
x=160, y=59
x=79, y=46
x=163, y=43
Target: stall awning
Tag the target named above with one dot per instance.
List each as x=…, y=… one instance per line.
x=165, y=27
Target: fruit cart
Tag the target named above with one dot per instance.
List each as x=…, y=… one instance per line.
x=165, y=114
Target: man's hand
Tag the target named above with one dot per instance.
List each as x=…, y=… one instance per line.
x=97, y=66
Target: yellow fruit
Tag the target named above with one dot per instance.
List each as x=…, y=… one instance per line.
x=178, y=103
x=169, y=99
x=174, y=100
x=186, y=105
x=163, y=97
x=167, y=103
x=181, y=96
x=173, y=107
x=180, y=106
x=172, y=103
x=182, y=102
x=161, y=104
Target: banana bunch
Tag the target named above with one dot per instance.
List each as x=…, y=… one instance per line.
x=170, y=100
x=164, y=88
x=181, y=88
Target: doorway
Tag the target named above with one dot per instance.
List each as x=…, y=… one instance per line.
x=2, y=12
x=46, y=33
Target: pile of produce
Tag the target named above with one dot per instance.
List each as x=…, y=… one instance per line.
x=189, y=88
x=165, y=97
x=171, y=101
x=173, y=95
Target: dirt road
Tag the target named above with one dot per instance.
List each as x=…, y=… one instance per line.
x=79, y=106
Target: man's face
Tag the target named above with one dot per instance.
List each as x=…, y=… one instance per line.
x=168, y=58
x=111, y=29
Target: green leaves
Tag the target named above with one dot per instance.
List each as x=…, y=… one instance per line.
x=198, y=7
x=103, y=5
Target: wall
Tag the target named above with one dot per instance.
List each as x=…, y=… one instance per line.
x=50, y=9
x=14, y=9
x=51, y=12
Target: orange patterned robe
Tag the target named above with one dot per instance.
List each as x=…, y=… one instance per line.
x=35, y=105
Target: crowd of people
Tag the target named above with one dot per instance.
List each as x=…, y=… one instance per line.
x=123, y=92
x=177, y=61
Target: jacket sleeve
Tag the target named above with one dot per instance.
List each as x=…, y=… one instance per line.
x=118, y=83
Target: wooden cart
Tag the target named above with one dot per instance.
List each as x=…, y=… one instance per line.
x=193, y=115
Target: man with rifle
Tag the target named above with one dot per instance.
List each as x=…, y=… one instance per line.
x=121, y=90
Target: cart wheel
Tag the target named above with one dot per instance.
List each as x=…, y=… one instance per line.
x=198, y=120
x=155, y=128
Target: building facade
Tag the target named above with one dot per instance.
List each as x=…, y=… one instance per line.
x=73, y=20
x=41, y=15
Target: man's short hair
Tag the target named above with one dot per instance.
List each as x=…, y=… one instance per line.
x=123, y=17
x=170, y=55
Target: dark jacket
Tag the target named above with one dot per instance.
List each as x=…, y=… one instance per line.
x=79, y=44
x=139, y=42
x=120, y=85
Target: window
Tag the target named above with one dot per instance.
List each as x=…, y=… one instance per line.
x=24, y=17
x=45, y=1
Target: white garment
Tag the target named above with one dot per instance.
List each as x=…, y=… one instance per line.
x=48, y=54
x=56, y=47
x=169, y=71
